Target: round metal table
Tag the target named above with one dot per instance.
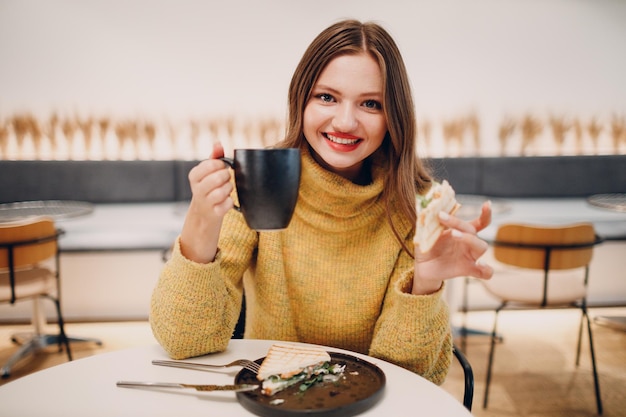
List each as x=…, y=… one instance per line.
x=471, y=205
x=612, y=201
x=57, y=209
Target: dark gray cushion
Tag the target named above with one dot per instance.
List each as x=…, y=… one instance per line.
x=565, y=176
x=464, y=174
x=155, y=181
x=183, y=190
x=92, y=181
x=519, y=177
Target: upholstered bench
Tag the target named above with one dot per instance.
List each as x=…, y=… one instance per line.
x=534, y=177
x=112, y=257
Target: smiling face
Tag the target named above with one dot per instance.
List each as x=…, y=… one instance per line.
x=344, y=121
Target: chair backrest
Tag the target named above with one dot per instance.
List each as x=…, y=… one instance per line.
x=27, y=242
x=529, y=246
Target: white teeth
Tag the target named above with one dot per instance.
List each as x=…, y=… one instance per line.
x=342, y=141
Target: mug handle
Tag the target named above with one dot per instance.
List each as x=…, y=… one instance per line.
x=231, y=164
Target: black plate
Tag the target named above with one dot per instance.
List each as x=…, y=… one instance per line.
x=360, y=388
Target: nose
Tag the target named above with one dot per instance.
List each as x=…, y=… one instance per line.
x=345, y=119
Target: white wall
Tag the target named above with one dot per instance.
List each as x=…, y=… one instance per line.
x=187, y=58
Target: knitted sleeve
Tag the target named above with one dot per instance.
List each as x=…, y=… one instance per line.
x=414, y=331
x=194, y=307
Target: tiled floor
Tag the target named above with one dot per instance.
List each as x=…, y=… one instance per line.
x=534, y=370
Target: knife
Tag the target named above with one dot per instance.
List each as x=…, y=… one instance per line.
x=235, y=388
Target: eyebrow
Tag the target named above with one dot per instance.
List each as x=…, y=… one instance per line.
x=377, y=94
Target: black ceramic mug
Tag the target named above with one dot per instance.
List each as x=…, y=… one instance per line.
x=267, y=183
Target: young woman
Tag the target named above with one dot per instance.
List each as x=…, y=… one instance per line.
x=345, y=272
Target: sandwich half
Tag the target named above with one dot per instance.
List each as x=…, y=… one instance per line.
x=288, y=364
x=440, y=197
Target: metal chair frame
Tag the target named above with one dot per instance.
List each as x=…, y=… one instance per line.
x=548, y=250
x=468, y=374
x=34, y=344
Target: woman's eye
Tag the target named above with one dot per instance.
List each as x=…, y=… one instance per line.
x=372, y=104
x=327, y=98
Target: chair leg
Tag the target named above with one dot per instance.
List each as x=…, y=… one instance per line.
x=38, y=341
x=494, y=337
x=596, y=381
x=463, y=331
x=63, y=336
x=580, y=336
x=26, y=349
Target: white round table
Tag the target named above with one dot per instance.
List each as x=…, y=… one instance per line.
x=87, y=387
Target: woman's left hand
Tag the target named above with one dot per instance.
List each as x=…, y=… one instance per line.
x=456, y=253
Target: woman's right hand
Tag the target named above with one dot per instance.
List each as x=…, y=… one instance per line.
x=211, y=188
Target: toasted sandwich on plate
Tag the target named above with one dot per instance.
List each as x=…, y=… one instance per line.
x=287, y=364
x=440, y=197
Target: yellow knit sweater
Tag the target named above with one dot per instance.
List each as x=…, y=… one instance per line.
x=336, y=276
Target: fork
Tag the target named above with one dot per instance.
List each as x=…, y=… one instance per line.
x=245, y=363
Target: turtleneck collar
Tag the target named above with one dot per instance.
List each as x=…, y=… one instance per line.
x=340, y=196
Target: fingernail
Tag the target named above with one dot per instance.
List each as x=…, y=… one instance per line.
x=443, y=215
x=457, y=233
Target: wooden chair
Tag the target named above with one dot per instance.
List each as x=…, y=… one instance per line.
x=559, y=257
x=29, y=270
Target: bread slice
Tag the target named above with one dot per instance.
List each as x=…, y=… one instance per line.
x=287, y=359
x=288, y=364
x=440, y=197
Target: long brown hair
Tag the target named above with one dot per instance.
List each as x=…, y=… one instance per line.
x=406, y=175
